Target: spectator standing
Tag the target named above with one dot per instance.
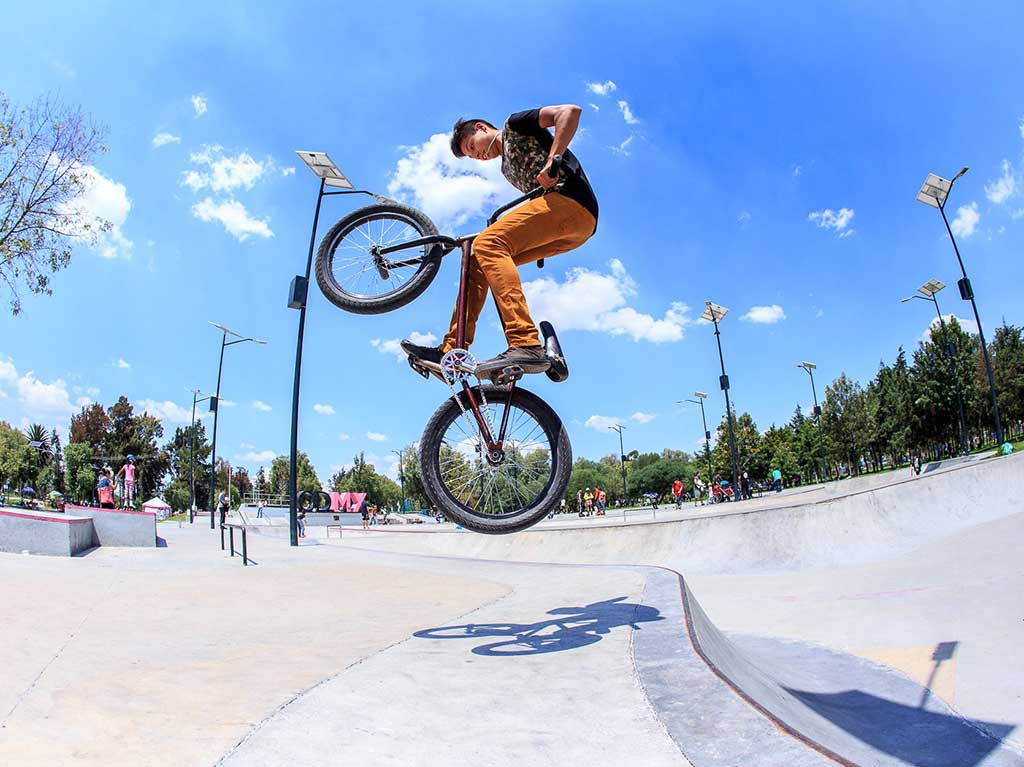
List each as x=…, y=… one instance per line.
x=579, y=501
x=915, y=464
x=777, y=480
x=745, y=486
x=588, y=502
x=223, y=506
x=259, y=510
x=302, y=524
x=602, y=501
x=698, y=490
x=105, y=487
x=677, y=492
x=561, y=506
x=364, y=515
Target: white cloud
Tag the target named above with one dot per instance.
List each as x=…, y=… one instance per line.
x=1003, y=187
x=289, y=171
x=168, y=411
x=830, y=219
x=765, y=315
x=162, y=139
x=38, y=401
x=797, y=170
x=264, y=456
x=642, y=417
x=102, y=200
x=376, y=436
x=602, y=422
x=199, y=104
x=627, y=113
x=260, y=405
x=1019, y=213
x=247, y=446
x=392, y=345
x=966, y=220
x=234, y=217
x=623, y=148
x=223, y=173
x=602, y=89
x=120, y=363
x=227, y=403
x=743, y=217
x=596, y=302
x=595, y=107
x=344, y=437
x=323, y=409
x=968, y=325
x=450, y=190
x=1020, y=126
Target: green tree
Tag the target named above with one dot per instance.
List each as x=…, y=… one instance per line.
x=1007, y=354
x=15, y=458
x=280, y=474
x=80, y=477
x=90, y=427
x=178, y=454
x=46, y=151
x=41, y=453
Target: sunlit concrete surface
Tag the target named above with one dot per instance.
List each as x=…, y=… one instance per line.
x=875, y=622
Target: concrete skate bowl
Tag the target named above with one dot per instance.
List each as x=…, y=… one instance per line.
x=855, y=528
x=843, y=708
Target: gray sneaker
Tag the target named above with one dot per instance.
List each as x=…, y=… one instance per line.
x=530, y=358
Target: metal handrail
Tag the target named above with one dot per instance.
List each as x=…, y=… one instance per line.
x=231, y=534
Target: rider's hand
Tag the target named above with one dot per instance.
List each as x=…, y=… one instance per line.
x=544, y=180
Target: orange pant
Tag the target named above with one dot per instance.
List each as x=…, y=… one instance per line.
x=538, y=229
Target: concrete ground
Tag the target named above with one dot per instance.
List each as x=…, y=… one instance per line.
x=874, y=628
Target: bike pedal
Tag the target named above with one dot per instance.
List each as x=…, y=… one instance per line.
x=508, y=374
x=422, y=371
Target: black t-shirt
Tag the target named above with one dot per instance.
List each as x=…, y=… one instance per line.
x=525, y=148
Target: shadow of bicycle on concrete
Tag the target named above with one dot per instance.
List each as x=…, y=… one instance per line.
x=574, y=627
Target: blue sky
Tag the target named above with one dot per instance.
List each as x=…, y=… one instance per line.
x=756, y=157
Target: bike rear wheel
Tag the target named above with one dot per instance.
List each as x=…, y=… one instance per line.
x=352, y=278
x=496, y=494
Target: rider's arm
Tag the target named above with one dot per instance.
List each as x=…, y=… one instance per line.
x=565, y=119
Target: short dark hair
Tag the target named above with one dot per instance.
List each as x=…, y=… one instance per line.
x=462, y=129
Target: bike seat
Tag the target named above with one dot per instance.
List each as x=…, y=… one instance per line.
x=559, y=370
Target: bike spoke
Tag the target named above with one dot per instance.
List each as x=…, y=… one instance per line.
x=352, y=262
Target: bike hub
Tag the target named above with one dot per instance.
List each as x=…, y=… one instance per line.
x=495, y=457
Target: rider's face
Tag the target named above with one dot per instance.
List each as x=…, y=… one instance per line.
x=483, y=144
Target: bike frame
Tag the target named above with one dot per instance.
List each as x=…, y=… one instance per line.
x=465, y=244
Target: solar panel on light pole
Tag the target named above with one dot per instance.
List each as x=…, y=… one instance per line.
x=934, y=192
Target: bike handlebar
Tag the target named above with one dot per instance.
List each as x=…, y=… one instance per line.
x=553, y=170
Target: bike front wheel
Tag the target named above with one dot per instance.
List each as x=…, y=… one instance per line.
x=353, y=277
x=501, y=493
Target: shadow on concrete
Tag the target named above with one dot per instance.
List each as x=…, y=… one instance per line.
x=914, y=735
x=574, y=628
x=86, y=552
x=161, y=543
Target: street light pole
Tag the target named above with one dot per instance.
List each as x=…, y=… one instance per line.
x=935, y=192
x=401, y=473
x=809, y=367
x=622, y=461
x=928, y=292
x=191, y=457
x=707, y=435
x=324, y=168
x=215, y=406
x=714, y=313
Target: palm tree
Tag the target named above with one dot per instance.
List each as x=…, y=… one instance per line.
x=37, y=433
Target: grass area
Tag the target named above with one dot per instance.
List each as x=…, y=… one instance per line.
x=183, y=517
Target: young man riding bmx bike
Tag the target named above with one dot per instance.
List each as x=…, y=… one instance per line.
x=558, y=221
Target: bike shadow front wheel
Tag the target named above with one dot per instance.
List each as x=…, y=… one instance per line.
x=503, y=492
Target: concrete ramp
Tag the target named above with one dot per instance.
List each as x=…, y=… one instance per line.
x=44, y=532
x=114, y=527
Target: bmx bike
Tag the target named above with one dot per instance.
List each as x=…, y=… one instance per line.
x=494, y=457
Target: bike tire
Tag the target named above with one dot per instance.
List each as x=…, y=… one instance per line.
x=521, y=518
x=389, y=301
